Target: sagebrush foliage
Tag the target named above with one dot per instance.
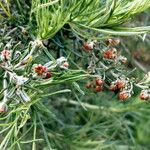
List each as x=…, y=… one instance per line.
x=58, y=62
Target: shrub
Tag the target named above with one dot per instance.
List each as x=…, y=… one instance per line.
x=59, y=55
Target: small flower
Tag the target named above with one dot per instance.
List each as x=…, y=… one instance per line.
x=62, y=63
x=88, y=46
x=144, y=95
x=3, y=107
x=123, y=59
x=112, y=42
x=5, y=55
x=99, y=82
x=65, y=65
x=98, y=89
x=40, y=70
x=113, y=86
x=110, y=54
x=118, y=84
x=47, y=75
x=124, y=95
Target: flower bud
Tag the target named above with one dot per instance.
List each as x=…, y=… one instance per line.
x=3, y=107
x=98, y=89
x=124, y=95
x=144, y=95
x=123, y=59
x=99, y=82
x=113, y=86
x=5, y=55
x=88, y=46
x=65, y=65
x=47, y=75
x=112, y=42
x=110, y=54
x=62, y=63
x=118, y=84
x=40, y=70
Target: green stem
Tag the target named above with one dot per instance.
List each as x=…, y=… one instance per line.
x=44, y=131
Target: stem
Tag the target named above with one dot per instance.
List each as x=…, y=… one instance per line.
x=105, y=67
x=5, y=87
x=34, y=131
x=44, y=132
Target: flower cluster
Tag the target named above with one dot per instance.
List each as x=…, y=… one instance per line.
x=16, y=76
x=123, y=86
x=109, y=60
x=96, y=85
x=117, y=84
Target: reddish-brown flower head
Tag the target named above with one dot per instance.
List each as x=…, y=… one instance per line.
x=88, y=46
x=47, y=75
x=5, y=54
x=110, y=54
x=40, y=70
x=3, y=107
x=124, y=95
x=98, y=89
x=113, y=87
x=118, y=84
x=144, y=95
x=99, y=82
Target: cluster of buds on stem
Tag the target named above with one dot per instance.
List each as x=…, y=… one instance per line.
x=108, y=59
x=144, y=84
x=44, y=70
x=16, y=75
x=123, y=86
x=96, y=85
x=117, y=84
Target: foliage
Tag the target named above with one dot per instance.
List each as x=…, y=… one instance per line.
x=103, y=17
x=58, y=61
